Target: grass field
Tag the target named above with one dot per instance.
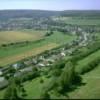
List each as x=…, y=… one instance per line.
x=86, y=60
x=78, y=21
x=91, y=89
x=2, y=93
x=91, y=80
x=35, y=87
x=18, y=36
x=16, y=57
x=14, y=53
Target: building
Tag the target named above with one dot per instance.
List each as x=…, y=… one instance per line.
x=3, y=82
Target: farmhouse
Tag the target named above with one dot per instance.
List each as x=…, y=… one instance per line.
x=28, y=69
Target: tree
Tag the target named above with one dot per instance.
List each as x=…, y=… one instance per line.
x=11, y=92
x=67, y=76
x=45, y=95
x=49, y=33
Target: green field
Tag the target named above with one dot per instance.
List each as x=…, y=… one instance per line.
x=86, y=60
x=91, y=80
x=35, y=88
x=12, y=52
x=91, y=89
x=78, y=20
x=2, y=92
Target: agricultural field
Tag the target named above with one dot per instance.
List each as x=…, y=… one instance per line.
x=78, y=20
x=49, y=54
x=20, y=36
x=14, y=53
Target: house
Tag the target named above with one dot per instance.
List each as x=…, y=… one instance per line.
x=50, y=60
x=41, y=65
x=63, y=54
x=3, y=82
x=28, y=69
x=23, y=72
x=34, y=61
x=28, y=62
x=17, y=74
x=17, y=66
x=41, y=58
x=1, y=72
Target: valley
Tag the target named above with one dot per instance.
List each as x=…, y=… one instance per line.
x=50, y=55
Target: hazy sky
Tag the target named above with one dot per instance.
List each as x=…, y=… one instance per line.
x=50, y=4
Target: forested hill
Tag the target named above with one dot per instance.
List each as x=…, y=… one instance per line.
x=5, y=14
x=81, y=13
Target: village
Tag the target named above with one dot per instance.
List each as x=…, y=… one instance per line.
x=45, y=59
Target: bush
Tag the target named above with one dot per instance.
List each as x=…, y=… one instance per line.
x=4, y=45
x=41, y=80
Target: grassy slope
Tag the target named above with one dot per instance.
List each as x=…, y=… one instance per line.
x=91, y=89
x=86, y=60
x=36, y=85
x=91, y=79
x=34, y=88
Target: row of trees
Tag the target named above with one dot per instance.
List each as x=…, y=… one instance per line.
x=77, y=55
x=91, y=65
x=15, y=90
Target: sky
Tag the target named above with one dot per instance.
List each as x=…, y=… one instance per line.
x=50, y=4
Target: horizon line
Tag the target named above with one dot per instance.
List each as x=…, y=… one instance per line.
x=54, y=10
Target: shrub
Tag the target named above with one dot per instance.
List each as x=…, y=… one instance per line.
x=41, y=80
